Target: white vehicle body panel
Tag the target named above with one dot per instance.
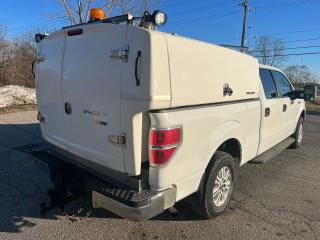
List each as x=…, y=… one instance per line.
x=215, y=66
x=271, y=129
x=204, y=130
x=154, y=92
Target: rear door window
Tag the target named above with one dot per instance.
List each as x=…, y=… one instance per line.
x=269, y=86
x=284, y=85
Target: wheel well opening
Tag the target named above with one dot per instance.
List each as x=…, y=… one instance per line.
x=232, y=146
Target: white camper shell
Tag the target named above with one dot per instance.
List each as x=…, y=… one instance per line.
x=105, y=97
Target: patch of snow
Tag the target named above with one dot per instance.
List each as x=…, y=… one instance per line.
x=16, y=95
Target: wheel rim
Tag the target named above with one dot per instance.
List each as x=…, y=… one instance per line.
x=222, y=186
x=300, y=134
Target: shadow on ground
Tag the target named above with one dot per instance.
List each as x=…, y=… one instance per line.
x=313, y=113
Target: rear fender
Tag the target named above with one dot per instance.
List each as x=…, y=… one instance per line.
x=228, y=130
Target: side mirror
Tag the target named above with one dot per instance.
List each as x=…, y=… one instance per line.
x=297, y=95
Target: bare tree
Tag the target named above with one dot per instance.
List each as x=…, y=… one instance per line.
x=16, y=56
x=135, y=6
x=4, y=55
x=300, y=74
x=23, y=55
x=77, y=11
x=269, y=50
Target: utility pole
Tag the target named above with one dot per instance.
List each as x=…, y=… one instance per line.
x=245, y=5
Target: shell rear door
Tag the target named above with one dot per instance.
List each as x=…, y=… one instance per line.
x=48, y=88
x=91, y=84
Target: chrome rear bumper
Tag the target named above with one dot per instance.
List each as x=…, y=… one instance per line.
x=154, y=206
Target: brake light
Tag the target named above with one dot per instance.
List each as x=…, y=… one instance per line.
x=163, y=137
x=163, y=143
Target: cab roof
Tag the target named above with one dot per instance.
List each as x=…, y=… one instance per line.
x=269, y=67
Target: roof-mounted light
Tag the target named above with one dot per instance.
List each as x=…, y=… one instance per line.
x=96, y=14
x=159, y=18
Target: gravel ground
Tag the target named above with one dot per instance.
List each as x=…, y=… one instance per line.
x=278, y=200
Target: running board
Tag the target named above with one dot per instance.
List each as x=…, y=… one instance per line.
x=274, y=151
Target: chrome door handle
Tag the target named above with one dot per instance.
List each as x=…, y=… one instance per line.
x=67, y=108
x=267, y=112
x=284, y=108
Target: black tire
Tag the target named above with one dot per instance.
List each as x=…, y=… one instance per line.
x=297, y=140
x=203, y=201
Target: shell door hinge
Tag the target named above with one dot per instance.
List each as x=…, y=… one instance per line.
x=119, y=140
x=40, y=58
x=121, y=53
x=40, y=117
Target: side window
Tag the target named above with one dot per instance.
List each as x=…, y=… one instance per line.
x=284, y=85
x=270, y=89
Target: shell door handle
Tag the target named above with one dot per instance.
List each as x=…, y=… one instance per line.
x=227, y=90
x=40, y=58
x=67, y=108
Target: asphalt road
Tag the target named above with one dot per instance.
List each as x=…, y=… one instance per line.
x=278, y=200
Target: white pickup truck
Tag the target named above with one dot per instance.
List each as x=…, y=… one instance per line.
x=143, y=119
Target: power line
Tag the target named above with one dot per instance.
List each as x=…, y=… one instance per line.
x=266, y=7
x=283, y=49
x=205, y=18
x=292, y=32
x=200, y=8
x=293, y=41
x=298, y=31
x=286, y=4
x=178, y=3
x=290, y=54
x=302, y=40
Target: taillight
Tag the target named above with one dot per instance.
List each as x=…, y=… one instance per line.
x=163, y=143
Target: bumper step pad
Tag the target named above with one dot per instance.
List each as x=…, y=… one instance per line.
x=127, y=197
